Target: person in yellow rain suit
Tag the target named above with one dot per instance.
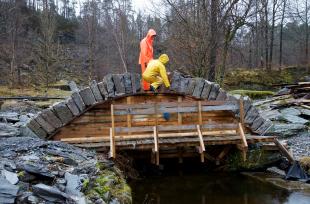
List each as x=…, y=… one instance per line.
x=156, y=73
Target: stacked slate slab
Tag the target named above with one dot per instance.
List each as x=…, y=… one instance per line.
x=47, y=122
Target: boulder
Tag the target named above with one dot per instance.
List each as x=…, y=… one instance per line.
x=290, y=111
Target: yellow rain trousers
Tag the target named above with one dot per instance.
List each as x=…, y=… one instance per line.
x=156, y=73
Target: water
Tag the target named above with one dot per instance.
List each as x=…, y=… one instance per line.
x=213, y=188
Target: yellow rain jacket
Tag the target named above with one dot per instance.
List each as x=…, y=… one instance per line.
x=156, y=73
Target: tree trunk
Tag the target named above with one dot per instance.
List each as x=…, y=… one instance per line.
x=266, y=33
x=281, y=34
x=213, y=40
x=272, y=34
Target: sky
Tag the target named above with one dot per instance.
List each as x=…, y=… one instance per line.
x=143, y=5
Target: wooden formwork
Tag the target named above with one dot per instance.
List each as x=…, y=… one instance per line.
x=138, y=122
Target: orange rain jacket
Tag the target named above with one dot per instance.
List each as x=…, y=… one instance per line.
x=146, y=53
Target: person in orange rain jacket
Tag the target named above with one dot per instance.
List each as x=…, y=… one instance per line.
x=146, y=53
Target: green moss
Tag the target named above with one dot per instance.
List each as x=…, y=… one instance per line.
x=109, y=181
x=253, y=94
x=256, y=159
x=21, y=174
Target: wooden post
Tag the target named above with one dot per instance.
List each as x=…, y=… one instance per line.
x=128, y=115
x=112, y=133
x=156, y=148
x=202, y=145
x=284, y=151
x=199, y=113
x=241, y=107
x=111, y=145
x=179, y=114
x=243, y=140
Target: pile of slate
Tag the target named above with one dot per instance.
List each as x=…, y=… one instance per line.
x=37, y=171
x=113, y=86
x=291, y=122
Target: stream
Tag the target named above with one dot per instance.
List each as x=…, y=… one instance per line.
x=194, y=184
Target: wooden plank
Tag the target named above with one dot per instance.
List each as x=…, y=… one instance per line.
x=222, y=154
x=113, y=130
x=224, y=126
x=284, y=151
x=151, y=111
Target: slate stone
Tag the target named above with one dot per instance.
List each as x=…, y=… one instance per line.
x=78, y=101
x=251, y=115
x=11, y=117
x=103, y=90
x=36, y=128
x=136, y=82
x=176, y=81
x=119, y=86
x=206, y=90
x=190, y=86
x=264, y=127
x=290, y=111
x=10, y=176
x=183, y=85
x=286, y=130
x=222, y=95
x=8, y=192
x=51, y=118
x=257, y=123
x=73, y=86
x=74, y=184
x=127, y=83
x=49, y=193
x=72, y=107
x=293, y=119
x=214, y=92
x=96, y=91
x=304, y=111
x=87, y=96
x=7, y=130
x=271, y=114
x=37, y=169
x=63, y=112
x=44, y=124
x=108, y=80
x=199, y=87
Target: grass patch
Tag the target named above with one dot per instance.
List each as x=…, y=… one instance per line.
x=6, y=91
x=259, y=79
x=253, y=94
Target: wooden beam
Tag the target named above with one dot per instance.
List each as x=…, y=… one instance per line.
x=284, y=151
x=223, y=153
